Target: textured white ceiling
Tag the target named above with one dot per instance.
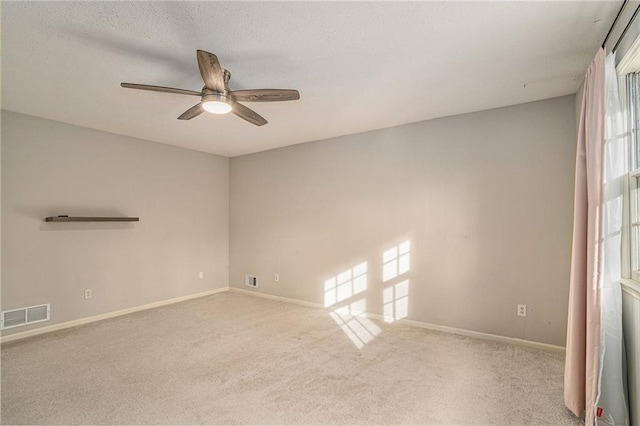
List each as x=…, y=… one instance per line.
x=358, y=66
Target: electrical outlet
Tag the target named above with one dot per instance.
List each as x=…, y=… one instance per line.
x=522, y=310
x=201, y=275
x=276, y=277
x=88, y=293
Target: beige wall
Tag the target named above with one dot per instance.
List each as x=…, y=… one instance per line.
x=50, y=168
x=485, y=200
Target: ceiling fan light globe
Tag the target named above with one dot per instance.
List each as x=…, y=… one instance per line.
x=216, y=107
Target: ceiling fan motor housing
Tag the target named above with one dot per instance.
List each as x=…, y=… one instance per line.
x=211, y=96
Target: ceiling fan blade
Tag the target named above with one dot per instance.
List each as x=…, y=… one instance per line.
x=194, y=111
x=266, y=95
x=248, y=114
x=211, y=71
x=160, y=89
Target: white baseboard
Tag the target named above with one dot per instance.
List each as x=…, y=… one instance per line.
x=87, y=320
x=442, y=328
x=475, y=334
x=278, y=298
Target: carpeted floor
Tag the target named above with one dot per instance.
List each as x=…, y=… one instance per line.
x=236, y=359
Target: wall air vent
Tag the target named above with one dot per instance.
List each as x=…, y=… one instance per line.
x=24, y=316
x=251, y=281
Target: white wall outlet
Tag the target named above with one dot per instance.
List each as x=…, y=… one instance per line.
x=522, y=310
x=88, y=293
x=276, y=277
x=201, y=275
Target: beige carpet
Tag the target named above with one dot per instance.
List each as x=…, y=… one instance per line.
x=236, y=359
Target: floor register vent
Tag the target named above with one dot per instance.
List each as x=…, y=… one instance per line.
x=24, y=316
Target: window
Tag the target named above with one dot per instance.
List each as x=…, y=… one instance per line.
x=633, y=120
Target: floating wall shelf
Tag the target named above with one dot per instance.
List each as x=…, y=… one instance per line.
x=90, y=219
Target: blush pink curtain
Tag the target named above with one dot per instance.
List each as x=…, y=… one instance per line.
x=583, y=326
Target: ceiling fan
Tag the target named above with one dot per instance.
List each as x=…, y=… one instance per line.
x=216, y=97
